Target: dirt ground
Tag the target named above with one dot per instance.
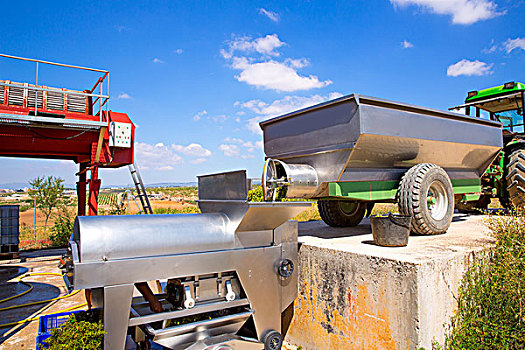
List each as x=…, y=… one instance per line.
x=27, y=217
x=161, y=204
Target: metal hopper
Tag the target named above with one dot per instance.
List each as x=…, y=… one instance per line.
x=372, y=141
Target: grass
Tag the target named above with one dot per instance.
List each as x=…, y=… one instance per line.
x=308, y=215
x=28, y=239
x=491, y=303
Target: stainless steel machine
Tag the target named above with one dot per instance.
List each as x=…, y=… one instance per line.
x=233, y=268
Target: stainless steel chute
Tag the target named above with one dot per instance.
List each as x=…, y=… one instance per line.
x=361, y=138
x=226, y=260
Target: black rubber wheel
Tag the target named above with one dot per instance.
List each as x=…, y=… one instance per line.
x=425, y=193
x=341, y=213
x=516, y=178
x=273, y=341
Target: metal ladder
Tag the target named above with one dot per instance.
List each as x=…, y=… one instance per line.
x=141, y=190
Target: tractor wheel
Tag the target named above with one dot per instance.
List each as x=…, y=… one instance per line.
x=425, y=193
x=516, y=178
x=341, y=213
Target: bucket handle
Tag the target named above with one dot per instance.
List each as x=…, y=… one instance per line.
x=397, y=222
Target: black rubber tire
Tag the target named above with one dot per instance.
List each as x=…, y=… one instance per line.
x=333, y=215
x=516, y=178
x=273, y=341
x=412, y=198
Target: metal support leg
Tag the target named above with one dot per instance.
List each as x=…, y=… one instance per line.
x=81, y=190
x=117, y=305
x=94, y=187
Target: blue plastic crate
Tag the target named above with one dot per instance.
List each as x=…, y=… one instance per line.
x=47, y=323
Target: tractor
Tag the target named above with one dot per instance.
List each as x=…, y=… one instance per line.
x=505, y=177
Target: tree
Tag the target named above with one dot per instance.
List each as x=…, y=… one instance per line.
x=49, y=193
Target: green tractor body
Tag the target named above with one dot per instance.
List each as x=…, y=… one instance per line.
x=505, y=178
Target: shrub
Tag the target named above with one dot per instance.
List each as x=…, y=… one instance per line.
x=25, y=207
x=491, y=304
x=62, y=228
x=77, y=334
x=184, y=210
x=256, y=194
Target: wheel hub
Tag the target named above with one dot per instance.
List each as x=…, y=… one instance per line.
x=437, y=200
x=348, y=208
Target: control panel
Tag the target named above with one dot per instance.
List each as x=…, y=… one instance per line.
x=120, y=135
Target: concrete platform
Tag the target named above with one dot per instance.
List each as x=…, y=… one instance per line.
x=356, y=295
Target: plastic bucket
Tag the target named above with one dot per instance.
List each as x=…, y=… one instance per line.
x=391, y=230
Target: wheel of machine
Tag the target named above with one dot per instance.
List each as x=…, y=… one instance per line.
x=516, y=178
x=273, y=341
x=425, y=193
x=341, y=213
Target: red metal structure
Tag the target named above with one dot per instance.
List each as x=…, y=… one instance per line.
x=38, y=121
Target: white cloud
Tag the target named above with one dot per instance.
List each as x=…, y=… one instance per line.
x=280, y=76
x=164, y=168
x=234, y=148
x=462, y=11
x=274, y=16
x=158, y=156
x=265, y=45
x=493, y=47
x=468, y=68
x=263, y=70
x=279, y=107
x=157, y=60
x=199, y=115
x=193, y=149
x=511, y=44
x=121, y=28
x=204, y=115
x=124, y=96
x=297, y=63
x=230, y=150
x=406, y=44
x=179, y=51
x=248, y=145
x=219, y=118
x=198, y=160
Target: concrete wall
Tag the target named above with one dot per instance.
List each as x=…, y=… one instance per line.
x=355, y=295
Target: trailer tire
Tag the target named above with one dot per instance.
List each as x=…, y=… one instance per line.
x=423, y=183
x=516, y=178
x=337, y=213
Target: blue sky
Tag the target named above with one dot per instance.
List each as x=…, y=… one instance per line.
x=196, y=77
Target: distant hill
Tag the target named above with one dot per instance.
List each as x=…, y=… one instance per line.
x=21, y=185
x=15, y=185
x=173, y=184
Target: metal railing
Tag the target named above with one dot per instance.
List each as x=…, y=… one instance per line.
x=101, y=98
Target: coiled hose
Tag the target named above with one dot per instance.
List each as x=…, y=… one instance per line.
x=31, y=319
